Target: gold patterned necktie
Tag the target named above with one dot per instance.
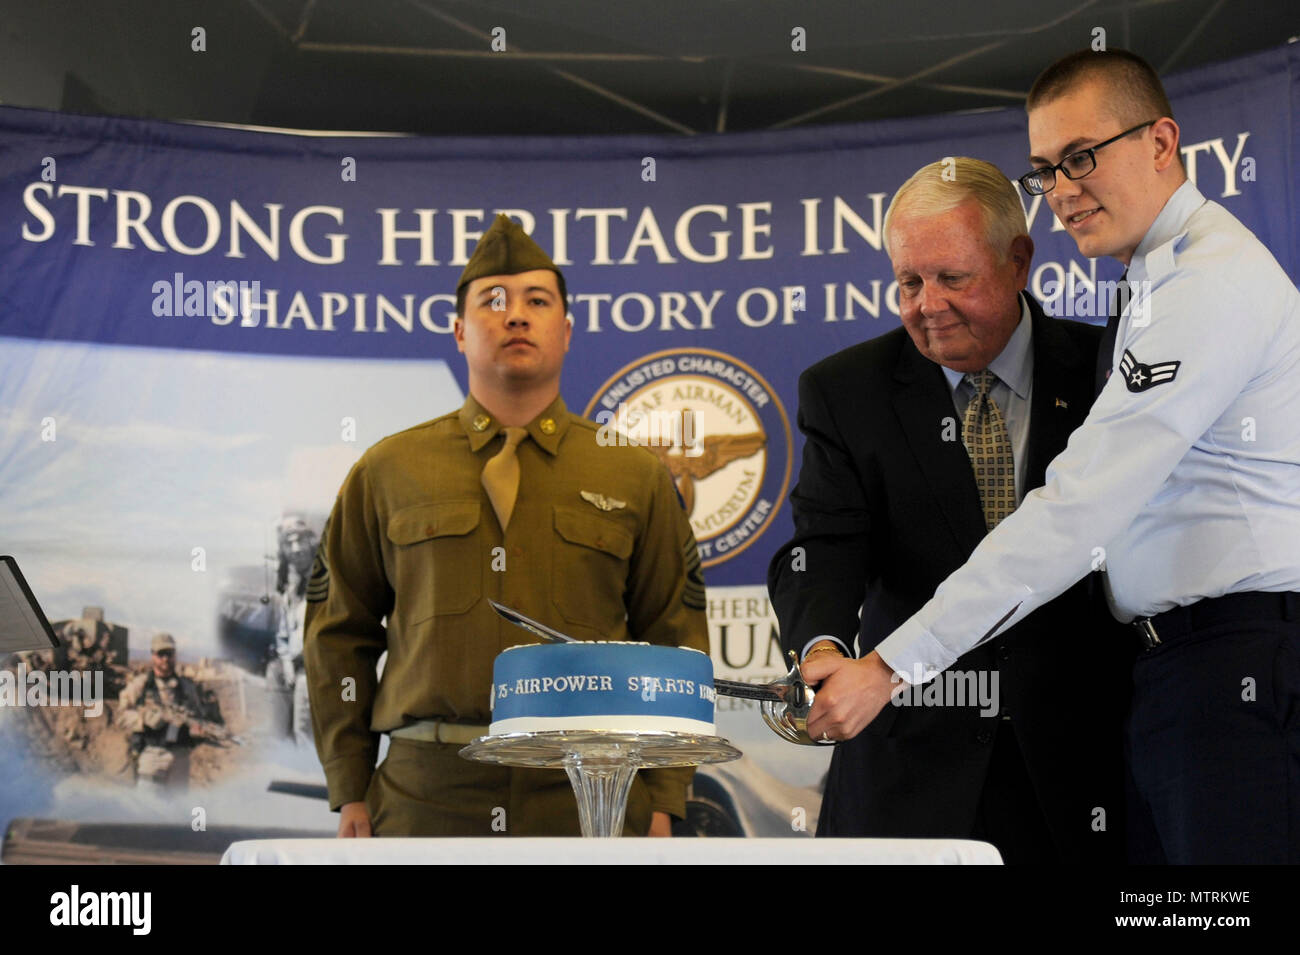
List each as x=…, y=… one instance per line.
x=985, y=435
x=501, y=476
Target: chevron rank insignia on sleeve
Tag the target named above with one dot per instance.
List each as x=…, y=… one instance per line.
x=1140, y=377
x=318, y=585
x=694, y=594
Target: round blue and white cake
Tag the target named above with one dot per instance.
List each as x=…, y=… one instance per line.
x=630, y=687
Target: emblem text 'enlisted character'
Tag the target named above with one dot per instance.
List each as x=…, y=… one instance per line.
x=510, y=498
x=1185, y=477
x=918, y=443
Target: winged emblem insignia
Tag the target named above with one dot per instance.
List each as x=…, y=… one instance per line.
x=602, y=502
x=717, y=451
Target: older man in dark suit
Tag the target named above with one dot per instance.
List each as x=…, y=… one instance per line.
x=917, y=444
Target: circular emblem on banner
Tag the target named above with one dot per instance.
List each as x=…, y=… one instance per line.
x=720, y=429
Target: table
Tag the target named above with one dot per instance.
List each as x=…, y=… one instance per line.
x=576, y=851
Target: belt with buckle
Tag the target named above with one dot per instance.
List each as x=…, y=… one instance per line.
x=1230, y=608
x=440, y=731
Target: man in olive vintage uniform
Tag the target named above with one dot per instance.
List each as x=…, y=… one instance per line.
x=510, y=498
x=166, y=715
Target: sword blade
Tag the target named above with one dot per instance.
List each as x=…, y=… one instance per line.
x=531, y=625
x=749, y=691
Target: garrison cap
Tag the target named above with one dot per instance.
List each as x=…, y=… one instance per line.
x=504, y=249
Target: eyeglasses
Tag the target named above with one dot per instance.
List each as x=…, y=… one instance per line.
x=1039, y=182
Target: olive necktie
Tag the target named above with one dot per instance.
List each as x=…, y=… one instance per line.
x=985, y=435
x=501, y=476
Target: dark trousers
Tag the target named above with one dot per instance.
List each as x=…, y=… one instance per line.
x=1214, y=746
x=1009, y=815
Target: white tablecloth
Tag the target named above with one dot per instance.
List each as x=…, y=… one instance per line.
x=572, y=851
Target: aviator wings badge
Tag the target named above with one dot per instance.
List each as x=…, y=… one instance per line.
x=602, y=502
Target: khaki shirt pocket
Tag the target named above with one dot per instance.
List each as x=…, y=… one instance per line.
x=437, y=565
x=589, y=571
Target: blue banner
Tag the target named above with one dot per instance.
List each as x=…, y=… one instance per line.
x=201, y=328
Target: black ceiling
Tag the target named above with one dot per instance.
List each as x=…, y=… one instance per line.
x=582, y=66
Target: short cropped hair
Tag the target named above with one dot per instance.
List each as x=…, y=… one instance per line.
x=944, y=185
x=464, y=290
x=1133, y=90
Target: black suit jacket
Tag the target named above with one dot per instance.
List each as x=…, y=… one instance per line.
x=884, y=510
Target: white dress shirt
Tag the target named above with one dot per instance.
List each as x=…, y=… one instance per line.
x=1186, y=489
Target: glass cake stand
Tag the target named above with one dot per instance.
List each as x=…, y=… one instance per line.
x=600, y=763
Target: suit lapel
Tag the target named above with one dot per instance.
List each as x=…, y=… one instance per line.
x=922, y=402
x=1058, y=405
